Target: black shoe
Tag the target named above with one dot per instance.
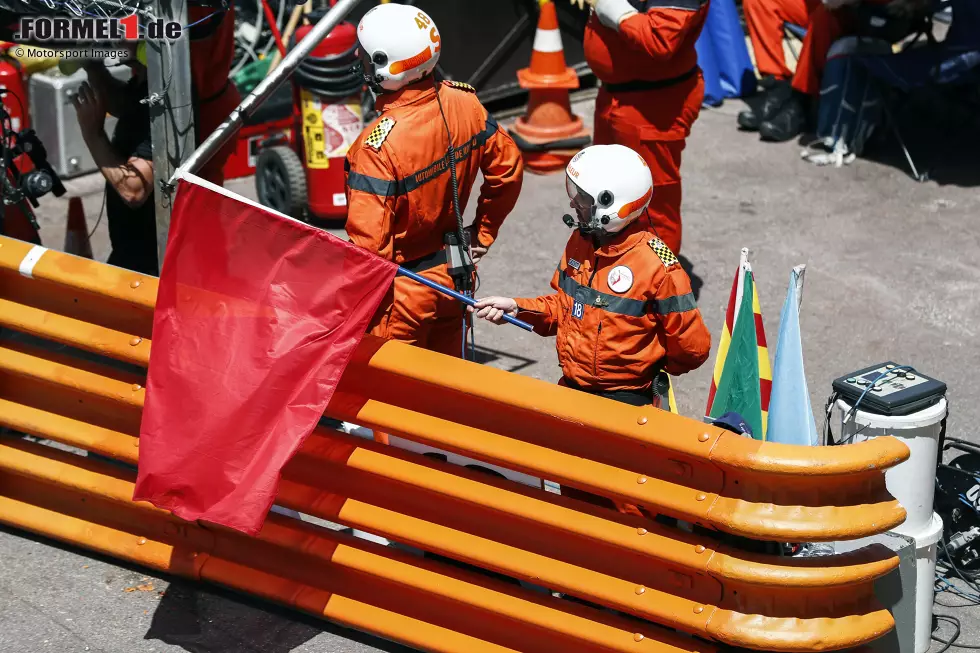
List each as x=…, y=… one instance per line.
x=749, y=120
x=776, y=96
x=769, y=81
x=787, y=124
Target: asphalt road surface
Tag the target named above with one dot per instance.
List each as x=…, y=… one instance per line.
x=892, y=274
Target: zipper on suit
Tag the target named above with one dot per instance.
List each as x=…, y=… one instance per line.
x=595, y=351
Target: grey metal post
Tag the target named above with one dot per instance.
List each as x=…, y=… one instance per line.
x=265, y=88
x=168, y=70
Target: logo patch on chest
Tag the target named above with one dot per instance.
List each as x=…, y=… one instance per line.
x=572, y=263
x=620, y=279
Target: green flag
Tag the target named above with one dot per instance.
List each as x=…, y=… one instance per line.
x=738, y=390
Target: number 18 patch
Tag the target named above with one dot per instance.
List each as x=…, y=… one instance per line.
x=578, y=308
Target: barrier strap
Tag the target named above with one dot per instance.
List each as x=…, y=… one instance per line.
x=30, y=259
x=390, y=188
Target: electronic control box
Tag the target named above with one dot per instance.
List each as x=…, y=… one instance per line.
x=890, y=389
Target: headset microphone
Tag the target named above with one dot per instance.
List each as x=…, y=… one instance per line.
x=568, y=220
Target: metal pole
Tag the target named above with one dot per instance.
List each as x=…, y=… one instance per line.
x=168, y=68
x=266, y=87
x=469, y=301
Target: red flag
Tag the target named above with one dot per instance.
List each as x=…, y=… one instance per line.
x=257, y=316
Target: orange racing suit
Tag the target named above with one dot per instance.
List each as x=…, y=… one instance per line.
x=399, y=199
x=651, y=95
x=623, y=313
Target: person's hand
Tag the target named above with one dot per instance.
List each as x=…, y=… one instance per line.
x=493, y=309
x=477, y=252
x=90, y=110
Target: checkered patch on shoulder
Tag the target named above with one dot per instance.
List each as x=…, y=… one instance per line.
x=380, y=133
x=461, y=85
x=663, y=252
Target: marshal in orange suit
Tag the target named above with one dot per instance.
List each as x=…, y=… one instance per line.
x=399, y=182
x=622, y=310
x=652, y=90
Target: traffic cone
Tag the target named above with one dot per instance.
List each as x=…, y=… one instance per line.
x=76, y=233
x=549, y=134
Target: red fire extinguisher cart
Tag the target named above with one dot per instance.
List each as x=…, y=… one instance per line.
x=328, y=89
x=13, y=83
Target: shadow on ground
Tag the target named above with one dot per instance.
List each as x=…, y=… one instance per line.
x=505, y=360
x=938, y=129
x=212, y=620
x=696, y=281
x=201, y=621
x=209, y=619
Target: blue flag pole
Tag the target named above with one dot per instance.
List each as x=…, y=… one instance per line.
x=469, y=301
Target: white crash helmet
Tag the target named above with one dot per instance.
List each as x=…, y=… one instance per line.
x=401, y=42
x=614, y=180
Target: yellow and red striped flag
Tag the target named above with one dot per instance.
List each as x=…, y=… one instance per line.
x=742, y=382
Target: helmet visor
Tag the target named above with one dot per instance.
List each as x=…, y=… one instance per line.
x=580, y=199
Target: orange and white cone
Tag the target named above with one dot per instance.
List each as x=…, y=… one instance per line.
x=76, y=232
x=549, y=134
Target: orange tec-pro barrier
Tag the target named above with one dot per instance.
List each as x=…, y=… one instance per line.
x=671, y=590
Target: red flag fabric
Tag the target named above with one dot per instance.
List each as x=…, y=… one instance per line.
x=257, y=316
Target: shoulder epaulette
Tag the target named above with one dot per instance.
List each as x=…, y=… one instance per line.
x=461, y=85
x=663, y=252
x=380, y=133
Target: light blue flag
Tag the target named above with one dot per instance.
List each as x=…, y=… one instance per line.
x=790, y=412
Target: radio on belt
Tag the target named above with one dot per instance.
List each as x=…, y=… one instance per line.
x=890, y=389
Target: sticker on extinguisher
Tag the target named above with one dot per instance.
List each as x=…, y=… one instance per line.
x=313, y=137
x=342, y=124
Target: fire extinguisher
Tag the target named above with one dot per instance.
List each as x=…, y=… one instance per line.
x=328, y=87
x=13, y=88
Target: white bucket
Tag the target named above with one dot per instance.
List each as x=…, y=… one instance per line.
x=913, y=482
x=926, y=545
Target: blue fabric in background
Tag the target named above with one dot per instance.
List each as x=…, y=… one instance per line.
x=714, y=94
x=723, y=55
